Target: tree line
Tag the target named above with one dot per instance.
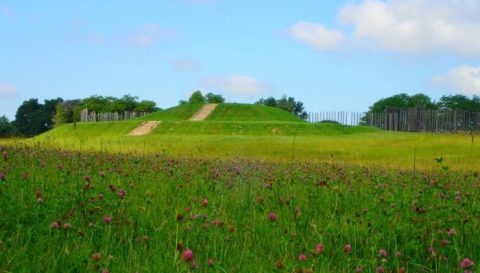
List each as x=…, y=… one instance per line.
x=33, y=118
x=448, y=102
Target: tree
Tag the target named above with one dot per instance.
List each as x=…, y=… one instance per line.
x=459, y=102
x=6, y=128
x=213, y=98
x=196, y=97
x=271, y=101
x=60, y=115
x=125, y=103
x=33, y=118
x=403, y=100
x=146, y=106
x=27, y=122
x=288, y=104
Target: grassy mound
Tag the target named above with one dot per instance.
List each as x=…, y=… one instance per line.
x=181, y=112
x=249, y=112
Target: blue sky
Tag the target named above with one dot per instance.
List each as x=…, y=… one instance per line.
x=332, y=55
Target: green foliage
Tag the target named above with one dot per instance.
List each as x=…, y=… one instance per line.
x=450, y=102
x=196, y=97
x=147, y=106
x=6, y=128
x=33, y=118
x=288, y=104
x=213, y=98
x=60, y=115
x=403, y=101
x=329, y=121
x=462, y=102
x=101, y=104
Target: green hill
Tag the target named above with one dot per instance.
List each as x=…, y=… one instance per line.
x=225, y=112
x=249, y=112
x=181, y=112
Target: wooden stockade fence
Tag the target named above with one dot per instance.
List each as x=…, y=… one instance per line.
x=86, y=116
x=406, y=119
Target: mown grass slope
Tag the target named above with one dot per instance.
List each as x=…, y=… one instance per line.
x=181, y=112
x=249, y=112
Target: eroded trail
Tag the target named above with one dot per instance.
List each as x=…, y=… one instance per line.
x=145, y=128
x=203, y=113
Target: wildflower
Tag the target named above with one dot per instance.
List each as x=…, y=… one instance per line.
x=298, y=212
x=279, y=264
x=382, y=253
x=107, y=219
x=112, y=187
x=261, y=200
x=380, y=269
x=122, y=193
x=210, y=262
x=358, y=269
x=105, y=271
x=54, y=225
x=272, y=217
x=38, y=196
x=179, y=217
x=96, y=256
x=402, y=270
x=348, y=248
x=466, y=263
x=444, y=243
x=67, y=226
x=452, y=232
x=187, y=255
x=302, y=257
x=319, y=249
x=87, y=178
x=205, y=202
x=2, y=176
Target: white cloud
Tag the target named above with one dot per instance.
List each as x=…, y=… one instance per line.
x=463, y=79
x=417, y=26
x=235, y=84
x=149, y=34
x=7, y=90
x=316, y=36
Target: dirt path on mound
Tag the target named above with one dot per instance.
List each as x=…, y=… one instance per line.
x=203, y=113
x=144, y=129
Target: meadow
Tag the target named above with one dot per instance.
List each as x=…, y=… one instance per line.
x=266, y=195
x=67, y=211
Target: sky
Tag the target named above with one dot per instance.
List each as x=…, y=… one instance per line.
x=331, y=55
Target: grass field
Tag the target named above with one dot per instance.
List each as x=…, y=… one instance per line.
x=101, y=212
x=238, y=196
x=274, y=141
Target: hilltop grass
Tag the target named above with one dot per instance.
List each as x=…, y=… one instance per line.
x=181, y=112
x=273, y=142
x=249, y=112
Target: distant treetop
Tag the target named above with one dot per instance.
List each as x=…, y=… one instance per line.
x=450, y=102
